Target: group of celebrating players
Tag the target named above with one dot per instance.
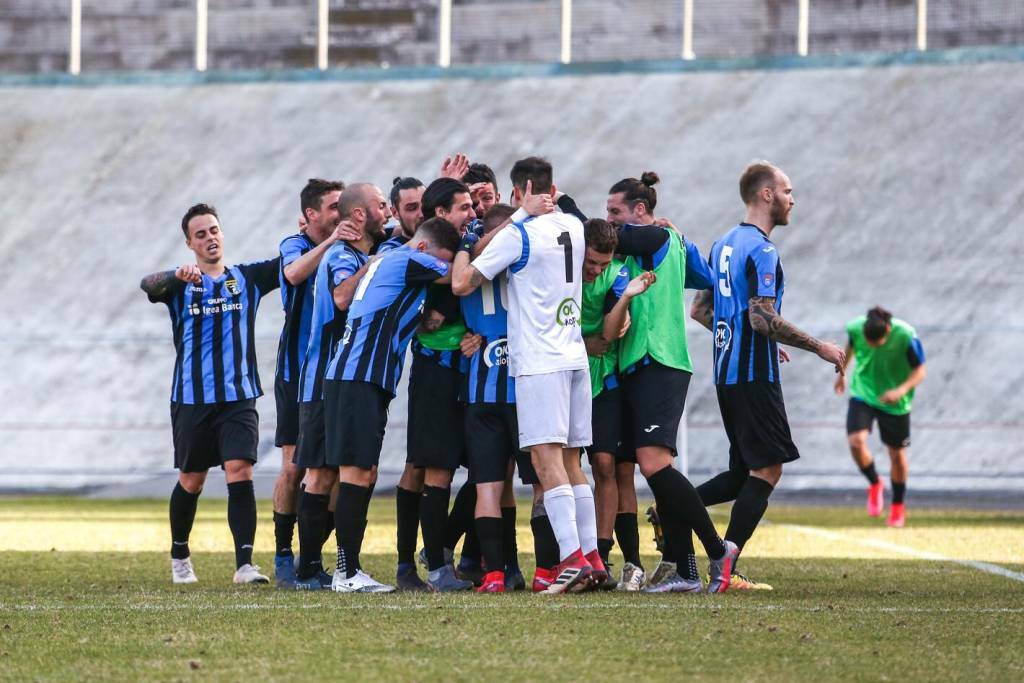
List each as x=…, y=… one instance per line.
x=535, y=332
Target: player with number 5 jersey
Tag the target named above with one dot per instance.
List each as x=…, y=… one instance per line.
x=542, y=253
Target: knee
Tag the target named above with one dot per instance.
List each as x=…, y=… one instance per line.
x=858, y=441
x=237, y=470
x=603, y=467
x=356, y=476
x=771, y=474
x=192, y=482
x=437, y=478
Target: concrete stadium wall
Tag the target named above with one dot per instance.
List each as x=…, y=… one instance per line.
x=908, y=195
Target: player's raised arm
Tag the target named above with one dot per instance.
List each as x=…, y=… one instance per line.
x=158, y=285
x=615, y=320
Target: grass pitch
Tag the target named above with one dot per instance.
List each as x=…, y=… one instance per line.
x=85, y=593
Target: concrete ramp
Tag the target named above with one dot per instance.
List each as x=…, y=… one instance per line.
x=908, y=187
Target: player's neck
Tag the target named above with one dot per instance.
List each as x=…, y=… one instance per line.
x=214, y=270
x=763, y=222
x=365, y=244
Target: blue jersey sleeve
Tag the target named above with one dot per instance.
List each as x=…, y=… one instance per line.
x=341, y=266
x=915, y=353
x=263, y=274
x=698, y=272
x=762, y=270
x=292, y=248
x=423, y=269
x=617, y=289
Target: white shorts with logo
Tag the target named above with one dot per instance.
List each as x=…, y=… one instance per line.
x=554, y=407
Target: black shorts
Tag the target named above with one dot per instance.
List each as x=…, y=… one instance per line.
x=207, y=436
x=754, y=415
x=286, y=395
x=655, y=396
x=610, y=426
x=311, y=449
x=492, y=441
x=894, y=429
x=355, y=415
x=436, y=416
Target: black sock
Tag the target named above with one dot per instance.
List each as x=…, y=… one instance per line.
x=679, y=506
x=433, y=515
x=365, y=515
x=899, y=491
x=183, y=514
x=284, y=531
x=509, y=547
x=628, y=535
x=407, y=513
x=545, y=545
x=242, y=519
x=489, y=530
x=326, y=523
x=870, y=473
x=721, y=488
x=460, y=519
x=471, y=554
x=312, y=508
x=604, y=546
x=748, y=510
x=349, y=523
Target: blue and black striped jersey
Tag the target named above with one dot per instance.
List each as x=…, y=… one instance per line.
x=746, y=264
x=384, y=314
x=485, y=373
x=297, y=301
x=339, y=263
x=214, y=328
x=398, y=239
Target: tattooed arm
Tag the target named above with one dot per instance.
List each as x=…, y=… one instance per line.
x=703, y=308
x=765, y=320
x=158, y=285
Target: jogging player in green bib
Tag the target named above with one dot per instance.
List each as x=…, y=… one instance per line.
x=889, y=366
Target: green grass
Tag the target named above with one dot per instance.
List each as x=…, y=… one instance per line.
x=85, y=594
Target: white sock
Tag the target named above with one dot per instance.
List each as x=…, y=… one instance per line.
x=586, y=517
x=561, y=508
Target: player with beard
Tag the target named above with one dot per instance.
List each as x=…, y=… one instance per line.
x=363, y=208
x=213, y=395
x=483, y=188
x=407, y=208
x=362, y=377
x=743, y=313
x=300, y=256
x=655, y=366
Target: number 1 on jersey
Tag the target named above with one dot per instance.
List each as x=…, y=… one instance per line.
x=566, y=241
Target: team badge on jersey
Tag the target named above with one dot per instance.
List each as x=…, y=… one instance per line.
x=232, y=286
x=569, y=313
x=767, y=279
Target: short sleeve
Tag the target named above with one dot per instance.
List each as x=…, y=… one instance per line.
x=341, y=266
x=264, y=274
x=698, y=273
x=292, y=248
x=762, y=270
x=422, y=269
x=170, y=292
x=617, y=289
x=510, y=247
x=915, y=353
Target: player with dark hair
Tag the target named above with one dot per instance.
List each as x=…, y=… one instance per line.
x=742, y=310
x=655, y=367
x=543, y=255
x=361, y=206
x=889, y=366
x=407, y=208
x=483, y=187
x=300, y=256
x=215, y=386
x=362, y=377
x=607, y=292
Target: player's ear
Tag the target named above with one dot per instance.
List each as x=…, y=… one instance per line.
x=554, y=190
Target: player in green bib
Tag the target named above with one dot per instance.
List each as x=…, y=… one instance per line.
x=607, y=294
x=889, y=361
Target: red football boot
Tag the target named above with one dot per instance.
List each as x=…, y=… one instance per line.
x=571, y=574
x=494, y=582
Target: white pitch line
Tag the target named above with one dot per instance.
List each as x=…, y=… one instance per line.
x=688, y=603
x=903, y=550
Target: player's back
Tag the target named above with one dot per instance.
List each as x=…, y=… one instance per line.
x=545, y=296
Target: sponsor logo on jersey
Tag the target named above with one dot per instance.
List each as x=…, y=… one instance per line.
x=767, y=279
x=768, y=250
x=232, y=286
x=195, y=309
x=347, y=335
x=723, y=334
x=496, y=353
x=568, y=314
x=651, y=428
x=195, y=289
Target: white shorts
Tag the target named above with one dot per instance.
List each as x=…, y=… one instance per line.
x=554, y=408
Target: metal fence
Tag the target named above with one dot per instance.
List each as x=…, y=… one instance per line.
x=132, y=35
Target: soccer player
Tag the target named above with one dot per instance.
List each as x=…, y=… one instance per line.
x=435, y=437
x=890, y=365
x=300, y=254
x=363, y=374
x=544, y=258
x=215, y=386
x=362, y=206
x=483, y=188
x=607, y=292
x=407, y=208
x=656, y=369
x=743, y=313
